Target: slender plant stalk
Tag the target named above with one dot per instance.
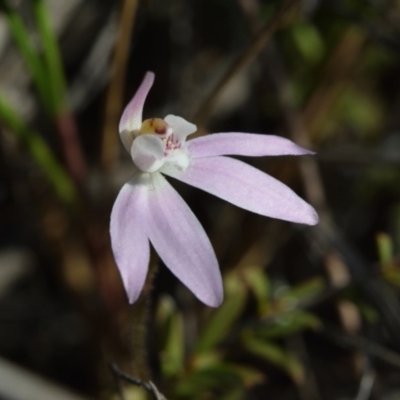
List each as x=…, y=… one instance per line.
x=140, y=324
x=73, y=155
x=28, y=52
x=140, y=317
x=115, y=93
x=245, y=58
x=64, y=118
x=40, y=152
x=52, y=56
x=49, y=79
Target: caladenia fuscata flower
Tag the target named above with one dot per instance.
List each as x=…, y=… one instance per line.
x=148, y=209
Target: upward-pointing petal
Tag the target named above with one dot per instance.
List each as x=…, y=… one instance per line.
x=182, y=244
x=243, y=144
x=246, y=187
x=131, y=119
x=128, y=236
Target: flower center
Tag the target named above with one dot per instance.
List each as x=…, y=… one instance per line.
x=158, y=142
x=154, y=126
x=160, y=128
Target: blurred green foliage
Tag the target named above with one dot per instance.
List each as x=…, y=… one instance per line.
x=47, y=73
x=216, y=365
x=43, y=155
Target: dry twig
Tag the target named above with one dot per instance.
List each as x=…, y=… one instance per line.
x=110, y=142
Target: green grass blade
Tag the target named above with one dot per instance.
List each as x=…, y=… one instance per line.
x=28, y=52
x=39, y=151
x=278, y=356
x=52, y=56
x=222, y=319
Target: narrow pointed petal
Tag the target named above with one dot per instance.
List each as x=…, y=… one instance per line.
x=129, y=241
x=246, y=187
x=131, y=119
x=148, y=152
x=182, y=244
x=243, y=144
x=180, y=127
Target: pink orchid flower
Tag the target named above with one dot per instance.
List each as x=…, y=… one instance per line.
x=148, y=209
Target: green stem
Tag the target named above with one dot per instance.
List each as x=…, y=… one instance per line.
x=24, y=43
x=63, y=116
x=52, y=56
x=39, y=151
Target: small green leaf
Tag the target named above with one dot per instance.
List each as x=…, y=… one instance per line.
x=290, y=298
x=170, y=322
x=249, y=376
x=226, y=379
x=205, y=360
x=216, y=379
x=309, y=42
x=360, y=110
x=259, y=284
x=288, y=324
x=165, y=308
x=277, y=356
x=173, y=354
x=392, y=275
x=222, y=319
x=385, y=249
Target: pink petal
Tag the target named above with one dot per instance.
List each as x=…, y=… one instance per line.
x=246, y=187
x=148, y=152
x=131, y=119
x=182, y=244
x=128, y=236
x=243, y=144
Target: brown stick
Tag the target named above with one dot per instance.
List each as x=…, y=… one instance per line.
x=110, y=142
x=245, y=59
x=74, y=159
